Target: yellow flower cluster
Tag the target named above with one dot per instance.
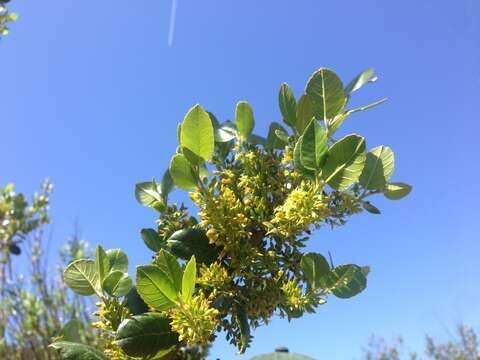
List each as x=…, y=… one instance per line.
x=295, y=299
x=195, y=321
x=214, y=276
x=305, y=206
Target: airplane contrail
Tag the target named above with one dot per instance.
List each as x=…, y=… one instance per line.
x=173, y=15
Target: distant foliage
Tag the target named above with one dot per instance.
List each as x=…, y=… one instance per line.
x=241, y=260
x=463, y=346
x=35, y=307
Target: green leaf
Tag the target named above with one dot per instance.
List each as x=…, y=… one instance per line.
x=118, y=260
x=257, y=140
x=155, y=287
x=102, y=264
x=378, y=168
x=314, y=267
x=188, y=242
x=346, y=281
x=359, y=81
x=304, y=113
x=73, y=351
x=288, y=105
x=297, y=162
x=345, y=162
x=166, y=185
x=197, y=133
x=244, y=120
x=152, y=240
x=277, y=136
x=189, y=279
x=82, y=277
x=71, y=331
x=226, y=132
x=148, y=195
x=182, y=172
x=326, y=91
x=370, y=208
x=135, y=303
x=117, y=284
x=396, y=191
x=241, y=318
x=145, y=335
x=313, y=146
x=170, y=266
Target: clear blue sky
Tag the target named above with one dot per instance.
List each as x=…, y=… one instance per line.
x=92, y=94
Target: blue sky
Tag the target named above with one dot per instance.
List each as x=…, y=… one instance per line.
x=92, y=94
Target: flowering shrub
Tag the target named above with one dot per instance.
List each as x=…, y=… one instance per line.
x=241, y=260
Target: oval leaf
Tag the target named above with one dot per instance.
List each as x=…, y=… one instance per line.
x=168, y=263
x=147, y=194
x=396, y=191
x=346, y=281
x=314, y=267
x=73, y=351
x=188, y=242
x=102, y=264
x=288, y=105
x=135, y=303
x=359, y=81
x=117, y=284
x=370, y=208
x=326, y=91
x=378, y=168
x=145, y=335
x=118, y=260
x=274, y=140
x=244, y=120
x=151, y=239
x=297, y=163
x=304, y=113
x=182, y=173
x=345, y=162
x=155, y=287
x=197, y=133
x=81, y=276
x=189, y=279
x=313, y=146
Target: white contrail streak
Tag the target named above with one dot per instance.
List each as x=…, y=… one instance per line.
x=173, y=15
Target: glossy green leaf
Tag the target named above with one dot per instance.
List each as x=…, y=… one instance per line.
x=277, y=136
x=189, y=279
x=102, y=263
x=297, y=163
x=81, y=276
x=326, y=92
x=345, y=281
x=359, y=81
x=74, y=351
x=188, y=242
x=244, y=120
x=197, y=133
x=147, y=194
x=345, y=162
x=145, y=335
x=396, y=191
x=117, y=283
x=166, y=185
x=304, y=113
x=314, y=147
x=288, y=105
x=370, y=208
x=182, y=172
x=155, y=287
x=378, y=168
x=135, y=303
x=118, y=260
x=170, y=266
x=152, y=240
x=314, y=267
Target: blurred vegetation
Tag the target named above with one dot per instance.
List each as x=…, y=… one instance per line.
x=462, y=346
x=6, y=17
x=35, y=306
